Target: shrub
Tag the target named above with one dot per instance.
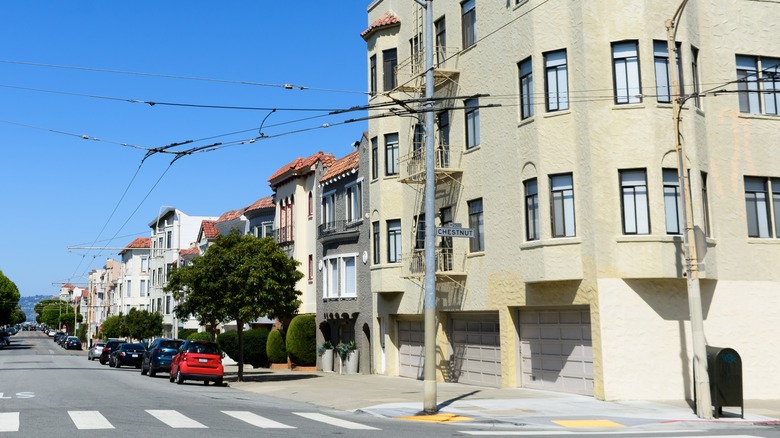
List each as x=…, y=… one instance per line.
x=228, y=343
x=199, y=336
x=255, y=347
x=185, y=333
x=275, y=348
x=302, y=340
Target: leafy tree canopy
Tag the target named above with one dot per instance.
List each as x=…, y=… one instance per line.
x=9, y=299
x=113, y=326
x=142, y=324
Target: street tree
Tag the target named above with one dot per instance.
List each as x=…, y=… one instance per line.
x=244, y=276
x=189, y=286
x=142, y=324
x=112, y=326
x=9, y=299
x=51, y=312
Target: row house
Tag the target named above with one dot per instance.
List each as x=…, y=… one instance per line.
x=102, y=284
x=344, y=299
x=555, y=144
x=135, y=274
x=172, y=231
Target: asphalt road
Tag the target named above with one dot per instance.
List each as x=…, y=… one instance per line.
x=46, y=391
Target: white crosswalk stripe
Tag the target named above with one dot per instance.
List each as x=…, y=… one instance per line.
x=176, y=419
x=256, y=420
x=9, y=422
x=333, y=421
x=89, y=420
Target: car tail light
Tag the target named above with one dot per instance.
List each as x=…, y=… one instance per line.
x=122, y=354
x=159, y=350
x=184, y=357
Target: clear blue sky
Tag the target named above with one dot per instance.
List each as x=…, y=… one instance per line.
x=58, y=190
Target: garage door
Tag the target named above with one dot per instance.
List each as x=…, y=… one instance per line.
x=476, y=351
x=411, y=338
x=556, y=350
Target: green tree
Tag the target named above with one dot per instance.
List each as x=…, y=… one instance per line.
x=18, y=316
x=52, y=311
x=302, y=340
x=9, y=299
x=113, y=326
x=142, y=324
x=239, y=278
x=209, y=310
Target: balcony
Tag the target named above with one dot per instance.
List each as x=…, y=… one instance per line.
x=284, y=235
x=410, y=73
x=448, y=263
x=446, y=163
x=338, y=230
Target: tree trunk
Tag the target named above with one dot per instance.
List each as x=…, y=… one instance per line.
x=240, y=328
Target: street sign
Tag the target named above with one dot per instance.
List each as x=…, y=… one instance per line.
x=454, y=232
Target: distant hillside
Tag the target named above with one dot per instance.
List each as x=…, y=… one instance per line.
x=28, y=304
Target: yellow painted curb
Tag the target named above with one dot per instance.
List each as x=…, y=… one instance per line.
x=587, y=423
x=437, y=418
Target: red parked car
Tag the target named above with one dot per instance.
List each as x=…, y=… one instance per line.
x=197, y=360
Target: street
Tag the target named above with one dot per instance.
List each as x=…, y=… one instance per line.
x=46, y=391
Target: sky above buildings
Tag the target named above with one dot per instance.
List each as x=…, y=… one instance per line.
x=88, y=88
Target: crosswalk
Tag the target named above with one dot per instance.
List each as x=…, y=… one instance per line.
x=94, y=420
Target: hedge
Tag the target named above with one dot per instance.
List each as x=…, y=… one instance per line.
x=275, y=348
x=302, y=340
x=199, y=336
x=254, y=346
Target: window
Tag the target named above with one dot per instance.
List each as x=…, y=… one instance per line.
x=672, y=202
x=476, y=222
x=372, y=74
x=375, y=240
x=355, y=202
x=311, y=205
x=556, y=81
x=526, y=89
x=758, y=193
x=752, y=71
x=443, y=146
x=625, y=67
x=472, y=123
x=390, y=61
x=144, y=264
x=311, y=267
x=469, y=12
x=418, y=141
x=391, y=154
x=340, y=278
x=328, y=209
x=633, y=201
x=531, y=210
x=663, y=85
x=160, y=278
x=169, y=239
x=374, y=158
x=168, y=305
x=705, y=204
x=144, y=288
x=562, y=195
x=415, y=47
x=441, y=41
x=419, y=235
x=129, y=288
x=394, y=241
x=695, y=76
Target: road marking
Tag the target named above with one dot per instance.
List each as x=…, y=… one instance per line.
x=89, y=420
x=256, y=420
x=602, y=433
x=176, y=420
x=587, y=423
x=334, y=421
x=9, y=422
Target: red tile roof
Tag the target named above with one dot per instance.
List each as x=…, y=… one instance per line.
x=189, y=251
x=230, y=215
x=387, y=19
x=345, y=164
x=301, y=166
x=267, y=202
x=209, y=230
x=138, y=243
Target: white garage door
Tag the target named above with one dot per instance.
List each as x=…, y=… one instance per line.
x=411, y=338
x=556, y=350
x=477, y=351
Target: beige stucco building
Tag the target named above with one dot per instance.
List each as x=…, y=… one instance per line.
x=555, y=144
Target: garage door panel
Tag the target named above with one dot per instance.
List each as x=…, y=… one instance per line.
x=476, y=346
x=411, y=348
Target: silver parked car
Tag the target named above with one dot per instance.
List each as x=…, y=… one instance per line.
x=95, y=350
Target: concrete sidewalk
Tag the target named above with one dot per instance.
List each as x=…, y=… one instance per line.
x=398, y=397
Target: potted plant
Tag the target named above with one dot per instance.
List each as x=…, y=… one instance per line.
x=348, y=353
x=325, y=351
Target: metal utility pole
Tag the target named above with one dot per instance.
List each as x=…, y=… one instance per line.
x=429, y=366
x=698, y=341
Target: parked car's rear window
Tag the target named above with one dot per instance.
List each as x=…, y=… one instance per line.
x=170, y=344
x=133, y=347
x=203, y=348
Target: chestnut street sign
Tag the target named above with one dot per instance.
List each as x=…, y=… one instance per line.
x=454, y=232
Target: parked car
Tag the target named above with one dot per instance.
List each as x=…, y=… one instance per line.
x=95, y=350
x=72, y=343
x=127, y=354
x=197, y=360
x=5, y=339
x=158, y=356
x=106, y=353
x=58, y=336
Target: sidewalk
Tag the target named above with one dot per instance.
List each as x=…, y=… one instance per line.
x=398, y=397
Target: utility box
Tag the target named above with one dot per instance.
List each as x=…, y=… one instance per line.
x=724, y=367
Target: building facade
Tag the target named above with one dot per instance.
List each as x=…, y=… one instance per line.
x=133, y=282
x=555, y=144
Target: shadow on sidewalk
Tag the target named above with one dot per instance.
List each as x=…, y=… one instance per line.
x=260, y=375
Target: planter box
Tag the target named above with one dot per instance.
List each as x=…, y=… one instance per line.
x=327, y=361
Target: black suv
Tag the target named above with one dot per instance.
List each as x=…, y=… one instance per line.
x=158, y=356
x=108, y=348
